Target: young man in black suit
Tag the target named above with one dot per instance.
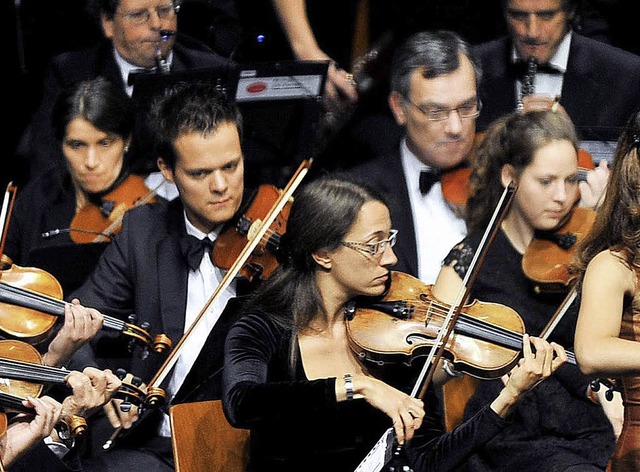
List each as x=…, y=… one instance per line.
x=148, y=269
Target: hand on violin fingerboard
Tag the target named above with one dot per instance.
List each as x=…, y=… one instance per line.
x=119, y=415
x=26, y=430
x=91, y=389
x=593, y=188
x=539, y=360
x=80, y=325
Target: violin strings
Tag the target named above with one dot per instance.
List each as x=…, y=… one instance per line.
x=26, y=371
x=477, y=327
x=54, y=306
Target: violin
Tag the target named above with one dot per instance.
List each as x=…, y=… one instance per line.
x=31, y=303
x=402, y=324
x=24, y=374
x=547, y=258
x=232, y=241
x=94, y=223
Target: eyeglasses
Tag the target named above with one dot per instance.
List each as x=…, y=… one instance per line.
x=374, y=249
x=465, y=111
x=140, y=17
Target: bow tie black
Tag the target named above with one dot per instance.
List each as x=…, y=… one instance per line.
x=521, y=68
x=427, y=179
x=193, y=248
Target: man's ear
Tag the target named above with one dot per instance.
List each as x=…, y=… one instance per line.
x=323, y=259
x=107, y=26
x=167, y=172
x=397, y=108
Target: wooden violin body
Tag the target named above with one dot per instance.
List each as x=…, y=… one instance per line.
x=403, y=324
x=547, y=258
x=23, y=323
x=231, y=242
x=31, y=304
x=97, y=223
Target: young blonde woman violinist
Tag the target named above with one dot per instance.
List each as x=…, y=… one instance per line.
x=608, y=263
x=290, y=375
x=558, y=427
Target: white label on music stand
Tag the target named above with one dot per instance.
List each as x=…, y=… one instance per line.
x=278, y=87
x=379, y=455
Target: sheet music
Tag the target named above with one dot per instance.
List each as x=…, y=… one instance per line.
x=379, y=455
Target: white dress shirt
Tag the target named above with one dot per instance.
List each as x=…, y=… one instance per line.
x=437, y=227
x=200, y=286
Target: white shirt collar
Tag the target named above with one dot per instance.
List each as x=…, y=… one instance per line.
x=412, y=167
x=126, y=68
x=193, y=231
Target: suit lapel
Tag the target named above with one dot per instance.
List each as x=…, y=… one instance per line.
x=172, y=276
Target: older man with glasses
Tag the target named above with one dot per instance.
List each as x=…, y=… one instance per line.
x=434, y=82
x=139, y=35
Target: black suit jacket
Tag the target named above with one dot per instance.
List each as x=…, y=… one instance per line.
x=38, y=144
x=385, y=174
x=600, y=89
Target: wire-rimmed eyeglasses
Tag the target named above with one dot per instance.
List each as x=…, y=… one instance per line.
x=373, y=249
x=140, y=17
x=467, y=110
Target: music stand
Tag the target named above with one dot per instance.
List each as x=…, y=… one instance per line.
x=599, y=141
x=281, y=105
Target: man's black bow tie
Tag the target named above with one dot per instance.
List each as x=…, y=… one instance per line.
x=193, y=248
x=427, y=179
x=521, y=68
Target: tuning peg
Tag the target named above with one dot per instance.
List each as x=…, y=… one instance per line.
x=125, y=406
x=133, y=318
x=609, y=394
x=595, y=385
x=145, y=325
x=121, y=373
x=136, y=381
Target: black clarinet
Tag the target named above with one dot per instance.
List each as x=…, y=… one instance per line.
x=527, y=87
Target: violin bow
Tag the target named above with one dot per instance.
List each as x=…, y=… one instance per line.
x=5, y=213
x=436, y=352
x=250, y=246
x=372, y=462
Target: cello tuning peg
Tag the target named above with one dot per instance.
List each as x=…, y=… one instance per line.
x=125, y=406
x=121, y=373
x=132, y=318
x=136, y=381
x=145, y=325
x=595, y=385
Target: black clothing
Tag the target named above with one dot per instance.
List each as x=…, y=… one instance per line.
x=554, y=426
x=297, y=424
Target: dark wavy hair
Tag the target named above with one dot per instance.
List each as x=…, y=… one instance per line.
x=322, y=213
x=186, y=107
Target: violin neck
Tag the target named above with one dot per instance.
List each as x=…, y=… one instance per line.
x=43, y=303
x=19, y=370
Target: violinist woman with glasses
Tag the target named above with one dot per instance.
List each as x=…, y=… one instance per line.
x=290, y=375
